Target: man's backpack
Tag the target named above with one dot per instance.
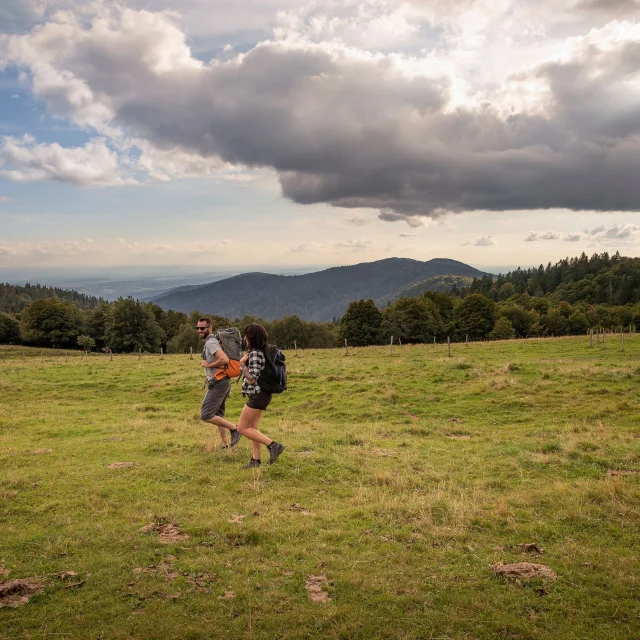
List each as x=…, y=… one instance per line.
x=273, y=378
x=231, y=342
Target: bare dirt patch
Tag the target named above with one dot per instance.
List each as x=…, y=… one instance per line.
x=237, y=518
x=314, y=585
x=4, y=571
x=524, y=571
x=228, y=595
x=122, y=465
x=15, y=593
x=622, y=472
x=530, y=547
x=168, y=531
x=42, y=451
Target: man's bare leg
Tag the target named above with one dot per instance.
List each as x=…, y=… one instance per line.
x=224, y=426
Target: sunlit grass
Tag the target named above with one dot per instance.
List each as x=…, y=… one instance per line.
x=405, y=476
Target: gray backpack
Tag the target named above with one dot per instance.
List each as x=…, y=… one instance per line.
x=231, y=342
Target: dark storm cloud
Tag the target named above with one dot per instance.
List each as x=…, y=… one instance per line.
x=359, y=131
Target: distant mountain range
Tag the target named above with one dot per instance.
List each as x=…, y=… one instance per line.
x=318, y=296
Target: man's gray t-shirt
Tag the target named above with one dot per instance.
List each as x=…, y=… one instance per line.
x=211, y=346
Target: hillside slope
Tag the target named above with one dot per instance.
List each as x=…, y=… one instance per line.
x=318, y=296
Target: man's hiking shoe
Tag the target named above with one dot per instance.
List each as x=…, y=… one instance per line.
x=252, y=464
x=275, y=449
x=235, y=438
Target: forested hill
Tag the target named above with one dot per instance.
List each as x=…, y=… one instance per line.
x=600, y=279
x=14, y=298
x=318, y=296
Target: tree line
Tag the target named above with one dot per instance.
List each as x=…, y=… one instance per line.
x=128, y=325
x=567, y=298
x=14, y=298
x=600, y=279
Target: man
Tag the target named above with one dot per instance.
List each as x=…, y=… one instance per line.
x=213, y=360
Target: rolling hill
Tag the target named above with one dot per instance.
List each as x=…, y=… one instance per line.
x=318, y=296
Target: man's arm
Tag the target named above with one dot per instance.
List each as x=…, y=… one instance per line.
x=219, y=362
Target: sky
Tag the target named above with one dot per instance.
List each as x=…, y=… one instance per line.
x=230, y=134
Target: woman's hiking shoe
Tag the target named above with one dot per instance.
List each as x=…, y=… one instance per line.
x=252, y=464
x=275, y=449
x=235, y=438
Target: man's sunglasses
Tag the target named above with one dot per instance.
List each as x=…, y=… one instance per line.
x=201, y=328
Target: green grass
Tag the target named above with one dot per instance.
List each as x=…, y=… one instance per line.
x=404, y=478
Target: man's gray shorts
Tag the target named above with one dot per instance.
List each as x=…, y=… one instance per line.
x=214, y=401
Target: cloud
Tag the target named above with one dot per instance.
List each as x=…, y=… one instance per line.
x=391, y=216
x=572, y=237
x=408, y=235
x=534, y=236
x=107, y=251
x=356, y=221
x=354, y=244
x=620, y=234
x=345, y=122
x=485, y=241
x=93, y=165
x=306, y=247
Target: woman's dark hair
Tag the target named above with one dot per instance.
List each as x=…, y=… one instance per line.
x=256, y=336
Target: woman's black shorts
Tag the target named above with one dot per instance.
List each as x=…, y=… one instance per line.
x=259, y=400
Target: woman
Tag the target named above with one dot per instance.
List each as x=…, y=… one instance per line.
x=252, y=363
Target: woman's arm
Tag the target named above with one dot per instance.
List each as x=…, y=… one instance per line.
x=251, y=365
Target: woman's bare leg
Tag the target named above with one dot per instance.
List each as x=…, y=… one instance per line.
x=247, y=423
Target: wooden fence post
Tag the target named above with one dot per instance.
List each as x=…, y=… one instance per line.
x=346, y=348
x=190, y=353
x=140, y=353
x=110, y=354
x=449, y=345
x=434, y=341
x=591, y=338
x=467, y=340
x=391, y=346
x=161, y=353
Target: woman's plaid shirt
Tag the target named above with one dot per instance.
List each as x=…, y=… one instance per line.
x=255, y=364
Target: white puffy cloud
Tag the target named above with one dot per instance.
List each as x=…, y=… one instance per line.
x=485, y=241
x=534, y=236
x=92, y=165
x=573, y=237
x=620, y=234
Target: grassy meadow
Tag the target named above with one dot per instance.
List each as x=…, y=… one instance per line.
x=404, y=479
